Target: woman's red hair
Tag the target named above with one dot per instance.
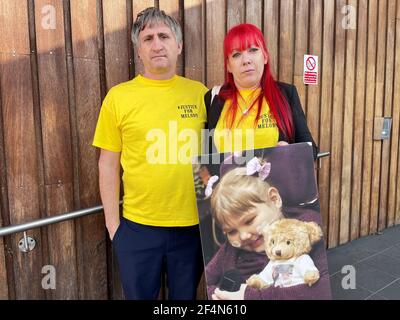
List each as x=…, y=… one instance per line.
x=242, y=37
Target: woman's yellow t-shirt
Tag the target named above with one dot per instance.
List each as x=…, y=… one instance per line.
x=245, y=134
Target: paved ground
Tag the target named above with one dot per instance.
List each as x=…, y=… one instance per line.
x=376, y=261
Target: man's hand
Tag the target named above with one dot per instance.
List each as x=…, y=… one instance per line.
x=227, y=295
x=112, y=230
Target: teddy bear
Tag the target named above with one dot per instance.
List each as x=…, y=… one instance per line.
x=288, y=243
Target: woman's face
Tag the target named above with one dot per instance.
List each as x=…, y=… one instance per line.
x=245, y=231
x=247, y=67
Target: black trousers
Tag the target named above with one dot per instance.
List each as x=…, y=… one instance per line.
x=144, y=252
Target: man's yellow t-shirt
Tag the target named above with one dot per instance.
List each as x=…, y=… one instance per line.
x=244, y=135
x=156, y=125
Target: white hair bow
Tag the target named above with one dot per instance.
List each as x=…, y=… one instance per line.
x=254, y=166
x=210, y=183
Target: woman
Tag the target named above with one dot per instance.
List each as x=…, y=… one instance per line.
x=252, y=110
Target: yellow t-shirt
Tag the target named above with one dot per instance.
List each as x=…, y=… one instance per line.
x=244, y=135
x=156, y=125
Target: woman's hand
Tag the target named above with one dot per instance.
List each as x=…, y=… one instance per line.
x=227, y=295
x=281, y=143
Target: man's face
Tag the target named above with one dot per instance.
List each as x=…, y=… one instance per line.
x=158, y=50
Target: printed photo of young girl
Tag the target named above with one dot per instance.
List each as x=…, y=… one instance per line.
x=261, y=227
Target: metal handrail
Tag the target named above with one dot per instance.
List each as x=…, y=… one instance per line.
x=320, y=156
x=49, y=220
x=5, y=231
x=323, y=154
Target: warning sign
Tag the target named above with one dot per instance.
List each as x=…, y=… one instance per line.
x=310, y=75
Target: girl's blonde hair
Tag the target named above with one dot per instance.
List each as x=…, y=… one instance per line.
x=236, y=193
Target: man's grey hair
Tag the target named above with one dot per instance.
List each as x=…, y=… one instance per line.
x=150, y=17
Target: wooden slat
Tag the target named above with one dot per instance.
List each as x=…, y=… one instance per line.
x=37, y=115
x=254, y=12
x=300, y=49
x=21, y=159
x=56, y=135
x=84, y=28
x=131, y=54
x=3, y=273
x=92, y=234
x=6, y=264
x=3, y=267
x=337, y=127
x=379, y=96
x=62, y=253
x=215, y=33
x=235, y=13
x=383, y=214
x=50, y=96
x=116, y=41
x=55, y=117
x=395, y=185
x=315, y=48
x=271, y=33
x=138, y=6
x=359, y=107
x=194, y=42
x=21, y=156
x=345, y=204
x=90, y=230
x=14, y=35
x=368, y=118
x=171, y=7
x=326, y=107
x=74, y=141
x=49, y=40
x=286, y=41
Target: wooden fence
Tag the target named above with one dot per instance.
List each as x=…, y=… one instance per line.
x=58, y=58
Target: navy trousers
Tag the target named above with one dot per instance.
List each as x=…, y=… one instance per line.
x=144, y=252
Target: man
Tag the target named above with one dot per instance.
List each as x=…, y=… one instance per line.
x=144, y=125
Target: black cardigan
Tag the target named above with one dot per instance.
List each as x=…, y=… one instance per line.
x=301, y=131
